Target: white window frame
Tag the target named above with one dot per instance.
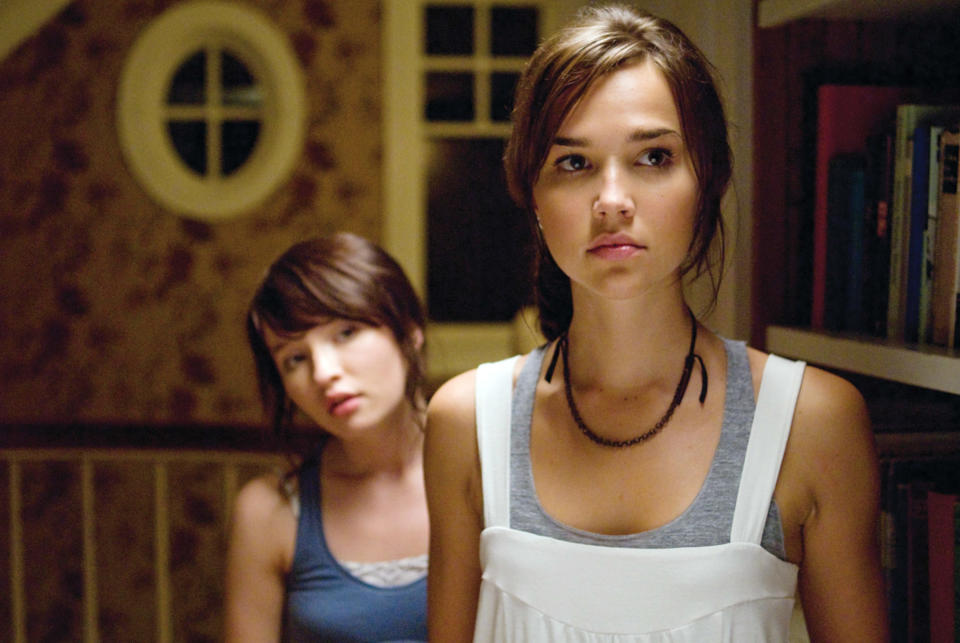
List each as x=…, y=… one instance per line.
x=142, y=110
x=453, y=347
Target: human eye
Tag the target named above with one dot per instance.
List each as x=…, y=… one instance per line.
x=346, y=330
x=656, y=157
x=292, y=360
x=571, y=163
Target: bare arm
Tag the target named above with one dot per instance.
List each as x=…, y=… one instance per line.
x=451, y=470
x=260, y=547
x=841, y=583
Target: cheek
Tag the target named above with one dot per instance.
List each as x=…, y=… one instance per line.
x=556, y=209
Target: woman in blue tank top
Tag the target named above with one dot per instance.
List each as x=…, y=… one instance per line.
x=336, y=549
x=568, y=487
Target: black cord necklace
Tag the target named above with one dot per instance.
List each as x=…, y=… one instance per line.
x=562, y=347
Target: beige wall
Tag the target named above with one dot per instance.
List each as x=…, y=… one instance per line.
x=112, y=309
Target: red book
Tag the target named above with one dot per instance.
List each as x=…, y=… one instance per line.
x=940, y=541
x=846, y=117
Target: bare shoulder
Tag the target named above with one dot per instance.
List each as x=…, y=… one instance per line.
x=452, y=408
x=830, y=459
x=454, y=401
x=831, y=439
x=831, y=413
x=828, y=405
x=263, y=507
x=450, y=447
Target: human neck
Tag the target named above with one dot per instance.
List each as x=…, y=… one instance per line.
x=620, y=343
x=392, y=450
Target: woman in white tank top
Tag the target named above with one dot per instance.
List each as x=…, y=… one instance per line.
x=619, y=149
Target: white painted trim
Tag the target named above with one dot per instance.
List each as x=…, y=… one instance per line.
x=18, y=603
x=141, y=107
x=404, y=224
x=452, y=348
x=162, y=554
x=20, y=19
x=91, y=607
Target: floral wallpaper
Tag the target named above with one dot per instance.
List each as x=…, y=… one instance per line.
x=114, y=310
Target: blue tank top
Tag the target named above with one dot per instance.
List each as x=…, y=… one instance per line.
x=327, y=603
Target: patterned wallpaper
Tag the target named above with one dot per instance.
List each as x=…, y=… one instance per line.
x=114, y=310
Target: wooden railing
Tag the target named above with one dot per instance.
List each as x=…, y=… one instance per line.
x=116, y=544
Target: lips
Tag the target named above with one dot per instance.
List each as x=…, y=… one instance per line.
x=614, y=246
x=340, y=403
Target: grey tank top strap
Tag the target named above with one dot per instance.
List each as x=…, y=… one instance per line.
x=708, y=519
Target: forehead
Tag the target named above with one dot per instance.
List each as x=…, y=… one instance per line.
x=634, y=96
x=277, y=339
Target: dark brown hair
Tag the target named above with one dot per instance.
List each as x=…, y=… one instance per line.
x=343, y=276
x=599, y=41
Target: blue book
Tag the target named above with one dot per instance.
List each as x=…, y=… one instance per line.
x=846, y=235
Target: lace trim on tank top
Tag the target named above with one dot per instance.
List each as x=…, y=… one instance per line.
x=389, y=573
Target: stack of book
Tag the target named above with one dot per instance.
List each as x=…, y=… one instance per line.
x=886, y=215
x=920, y=541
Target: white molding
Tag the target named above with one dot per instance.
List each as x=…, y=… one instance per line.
x=451, y=348
x=165, y=43
x=404, y=216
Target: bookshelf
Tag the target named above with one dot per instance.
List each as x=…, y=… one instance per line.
x=911, y=389
x=850, y=41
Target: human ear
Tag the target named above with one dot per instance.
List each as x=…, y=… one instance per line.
x=416, y=334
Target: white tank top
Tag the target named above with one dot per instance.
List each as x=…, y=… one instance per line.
x=536, y=588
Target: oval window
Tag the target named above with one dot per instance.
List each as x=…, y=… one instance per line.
x=211, y=109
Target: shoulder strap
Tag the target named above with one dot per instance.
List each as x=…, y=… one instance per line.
x=494, y=390
x=772, y=418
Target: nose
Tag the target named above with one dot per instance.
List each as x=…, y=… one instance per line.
x=326, y=365
x=614, y=197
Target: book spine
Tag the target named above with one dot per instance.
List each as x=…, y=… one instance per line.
x=919, y=205
x=877, y=266
x=940, y=512
x=946, y=263
x=918, y=563
x=956, y=571
x=899, y=220
x=853, y=311
x=930, y=235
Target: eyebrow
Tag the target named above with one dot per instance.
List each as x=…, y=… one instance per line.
x=635, y=136
x=282, y=341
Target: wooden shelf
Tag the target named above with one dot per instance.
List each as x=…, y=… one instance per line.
x=913, y=446
x=930, y=367
x=771, y=13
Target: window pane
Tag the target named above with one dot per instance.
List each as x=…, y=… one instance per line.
x=449, y=97
x=239, y=85
x=190, y=140
x=189, y=81
x=479, y=241
x=514, y=31
x=502, y=85
x=239, y=140
x=449, y=30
